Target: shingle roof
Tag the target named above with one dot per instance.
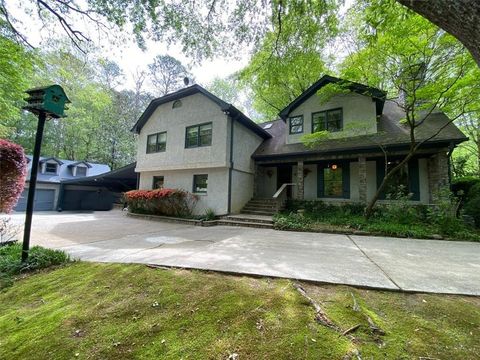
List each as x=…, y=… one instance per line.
x=377, y=95
x=224, y=106
x=65, y=171
x=390, y=132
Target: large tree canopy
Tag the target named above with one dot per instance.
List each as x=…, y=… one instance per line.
x=461, y=18
x=208, y=27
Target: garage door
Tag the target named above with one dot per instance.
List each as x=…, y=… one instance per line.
x=44, y=199
x=98, y=199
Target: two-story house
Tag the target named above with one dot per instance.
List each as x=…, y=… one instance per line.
x=193, y=140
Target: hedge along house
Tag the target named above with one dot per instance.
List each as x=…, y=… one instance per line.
x=190, y=139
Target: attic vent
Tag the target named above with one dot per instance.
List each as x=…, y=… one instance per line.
x=268, y=126
x=176, y=104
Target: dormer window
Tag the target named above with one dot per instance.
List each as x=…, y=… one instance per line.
x=51, y=168
x=79, y=168
x=81, y=171
x=177, y=104
x=330, y=120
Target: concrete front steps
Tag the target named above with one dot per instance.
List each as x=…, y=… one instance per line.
x=257, y=206
x=248, y=220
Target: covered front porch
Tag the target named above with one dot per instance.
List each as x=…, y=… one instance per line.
x=349, y=177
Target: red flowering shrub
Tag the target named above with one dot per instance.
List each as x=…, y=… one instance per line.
x=170, y=202
x=13, y=170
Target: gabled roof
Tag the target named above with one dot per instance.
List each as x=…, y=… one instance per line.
x=80, y=162
x=377, y=95
x=64, y=172
x=391, y=134
x=227, y=108
x=58, y=161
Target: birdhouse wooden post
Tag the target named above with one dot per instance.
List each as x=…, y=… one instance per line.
x=45, y=102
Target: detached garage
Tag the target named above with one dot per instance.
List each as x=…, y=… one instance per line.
x=98, y=192
x=44, y=200
x=52, y=172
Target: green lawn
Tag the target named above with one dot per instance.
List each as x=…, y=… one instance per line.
x=113, y=311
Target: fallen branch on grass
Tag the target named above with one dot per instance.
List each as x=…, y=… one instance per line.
x=352, y=329
x=320, y=315
x=375, y=329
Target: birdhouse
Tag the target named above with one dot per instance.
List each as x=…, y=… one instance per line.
x=49, y=99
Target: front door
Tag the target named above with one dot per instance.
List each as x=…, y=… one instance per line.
x=284, y=176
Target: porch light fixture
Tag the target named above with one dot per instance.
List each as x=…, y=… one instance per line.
x=334, y=167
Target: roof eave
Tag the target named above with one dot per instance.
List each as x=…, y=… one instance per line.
x=436, y=143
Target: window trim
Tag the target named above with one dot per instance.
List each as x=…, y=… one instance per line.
x=326, y=119
x=413, y=180
x=156, y=142
x=345, y=166
x=156, y=177
x=290, y=125
x=81, y=167
x=51, y=172
x=177, y=104
x=193, y=185
x=198, y=135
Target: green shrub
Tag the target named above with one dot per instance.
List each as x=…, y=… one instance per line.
x=461, y=186
x=292, y=221
x=209, y=214
x=400, y=209
x=444, y=213
x=39, y=258
x=472, y=204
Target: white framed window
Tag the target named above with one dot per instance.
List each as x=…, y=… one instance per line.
x=81, y=171
x=51, y=168
x=200, y=183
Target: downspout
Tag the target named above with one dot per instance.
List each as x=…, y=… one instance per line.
x=230, y=168
x=449, y=163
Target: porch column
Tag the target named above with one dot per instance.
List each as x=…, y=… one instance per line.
x=437, y=174
x=362, y=179
x=300, y=190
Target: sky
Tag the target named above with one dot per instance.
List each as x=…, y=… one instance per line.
x=122, y=48
x=123, y=51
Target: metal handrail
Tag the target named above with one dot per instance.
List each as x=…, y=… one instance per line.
x=281, y=195
x=281, y=188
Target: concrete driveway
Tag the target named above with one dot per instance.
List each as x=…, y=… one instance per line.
x=376, y=262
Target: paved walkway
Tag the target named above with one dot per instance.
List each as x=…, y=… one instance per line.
x=376, y=262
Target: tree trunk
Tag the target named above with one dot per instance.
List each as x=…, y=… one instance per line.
x=478, y=157
x=458, y=17
x=388, y=176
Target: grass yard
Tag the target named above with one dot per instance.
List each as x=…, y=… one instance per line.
x=113, y=311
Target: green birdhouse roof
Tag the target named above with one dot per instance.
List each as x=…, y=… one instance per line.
x=53, y=88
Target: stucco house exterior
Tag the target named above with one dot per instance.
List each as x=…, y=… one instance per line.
x=51, y=173
x=193, y=140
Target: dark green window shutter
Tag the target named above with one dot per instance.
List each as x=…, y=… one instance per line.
x=414, y=179
x=380, y=175
x=346, y=180
x=320, y=182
